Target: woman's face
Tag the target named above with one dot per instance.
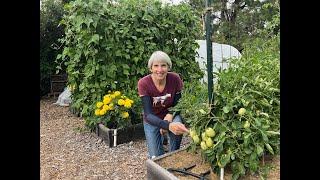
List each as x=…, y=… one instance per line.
x=159, y=70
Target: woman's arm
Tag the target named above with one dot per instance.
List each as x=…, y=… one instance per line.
x=176, y=128
x=151, y=118
x=176, y=98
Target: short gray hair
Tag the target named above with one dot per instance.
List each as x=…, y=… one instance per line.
x=159, y=55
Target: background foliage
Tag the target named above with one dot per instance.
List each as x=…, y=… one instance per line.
x=107, y=45
x=51, y=13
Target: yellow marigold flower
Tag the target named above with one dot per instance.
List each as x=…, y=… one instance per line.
x=103, y=112
x=127, y=104
x=105, y=107
x=97, y=112
x=121, y=102
x=99, y=104
x=106, y=100
x=125, y=114
x=71, y=87
x=112, y=96
x=117, y=93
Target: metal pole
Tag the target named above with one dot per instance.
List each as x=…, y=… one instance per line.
x=209, y=51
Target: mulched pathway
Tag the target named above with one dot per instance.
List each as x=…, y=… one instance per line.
x=67, y=153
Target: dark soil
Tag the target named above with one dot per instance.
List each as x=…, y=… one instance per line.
x=184, y=159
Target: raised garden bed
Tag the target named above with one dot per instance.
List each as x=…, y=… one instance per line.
x=159, y=167
x=113, y=137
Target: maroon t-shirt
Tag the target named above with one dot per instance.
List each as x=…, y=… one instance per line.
x=161, y=101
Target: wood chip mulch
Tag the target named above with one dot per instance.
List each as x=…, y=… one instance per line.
x=67, y=153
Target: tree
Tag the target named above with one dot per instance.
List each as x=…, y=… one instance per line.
x=238, y=21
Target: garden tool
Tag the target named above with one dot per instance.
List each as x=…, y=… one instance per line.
x=185, y=171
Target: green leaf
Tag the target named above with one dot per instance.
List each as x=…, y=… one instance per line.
x=265, y=114
x=264, y=137
x=257, y=122
x=247, y=150
x=94, y=39
x=135, y=59
x=273, y=133
x=225, y=159
x=127, y=56
x=259, y=149
x=126, y=72
x=113, y=85
x=125, y=66
x=265, y=126
x=118, y=53
x=247, y=136
x=88, y=22
x=59, y=56
x=81, y=87
x=269, y=148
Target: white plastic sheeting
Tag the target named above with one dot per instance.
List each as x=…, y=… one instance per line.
x=64, y=98
x=219, y=53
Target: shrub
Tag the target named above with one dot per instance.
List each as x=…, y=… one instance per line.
x=107, y=45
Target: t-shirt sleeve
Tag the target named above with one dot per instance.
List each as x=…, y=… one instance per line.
x=179, y=83
x=142, y=87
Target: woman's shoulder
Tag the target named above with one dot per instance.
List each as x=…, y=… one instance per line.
x=144, y=79
x=174, y=75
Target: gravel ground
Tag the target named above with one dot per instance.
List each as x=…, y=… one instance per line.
x=67, y=153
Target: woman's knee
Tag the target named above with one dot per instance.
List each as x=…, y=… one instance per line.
x=177, y=118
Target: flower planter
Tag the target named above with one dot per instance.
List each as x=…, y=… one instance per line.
x=113, y=137
x=157, y=168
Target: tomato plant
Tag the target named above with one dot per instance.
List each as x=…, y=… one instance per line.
x=246, y=111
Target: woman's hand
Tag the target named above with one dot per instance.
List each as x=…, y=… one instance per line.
x=168, y=117
x=177, y=128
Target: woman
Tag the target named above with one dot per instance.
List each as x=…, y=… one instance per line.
x=159, y=91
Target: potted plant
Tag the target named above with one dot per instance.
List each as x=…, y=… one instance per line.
x=114, y=116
